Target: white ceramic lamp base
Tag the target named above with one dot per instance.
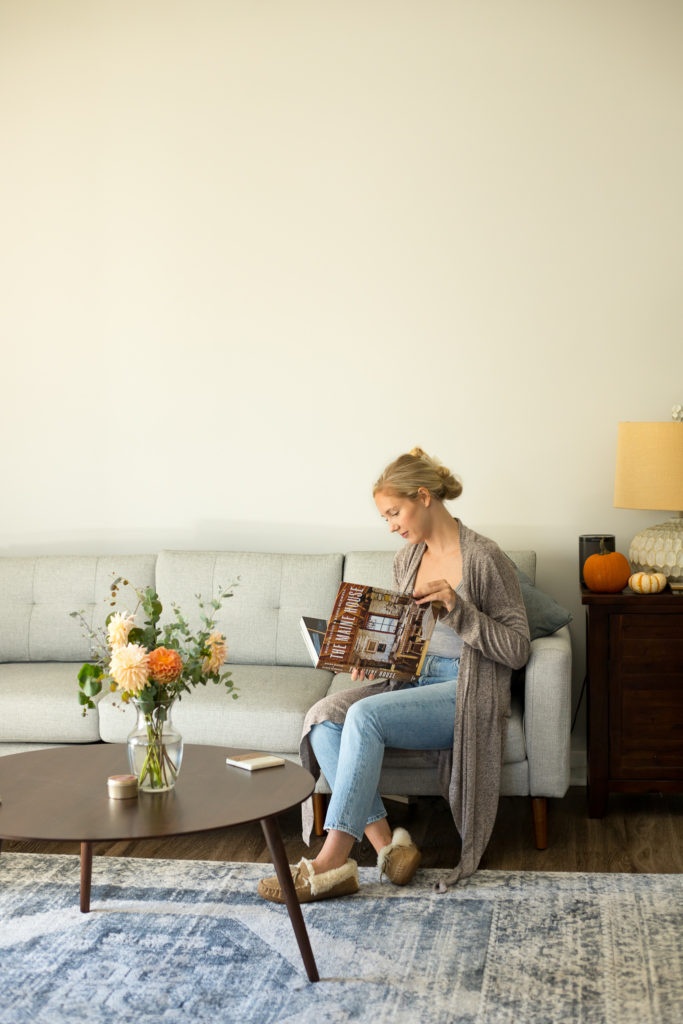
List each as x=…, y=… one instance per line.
x=660, y=549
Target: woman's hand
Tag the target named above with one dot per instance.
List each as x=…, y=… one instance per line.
x=359, y=674
x=437, y=592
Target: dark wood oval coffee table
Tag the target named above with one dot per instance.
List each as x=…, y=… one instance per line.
x=61, y=794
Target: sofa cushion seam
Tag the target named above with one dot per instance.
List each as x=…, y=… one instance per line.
x=278, y=611
x=30, y=614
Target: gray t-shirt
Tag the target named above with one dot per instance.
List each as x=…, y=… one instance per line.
x=445, y=642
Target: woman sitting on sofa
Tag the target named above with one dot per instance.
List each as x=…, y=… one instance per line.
x=458, y=706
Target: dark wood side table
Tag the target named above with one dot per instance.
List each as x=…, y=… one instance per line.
x=61, y=794
x=634, y=650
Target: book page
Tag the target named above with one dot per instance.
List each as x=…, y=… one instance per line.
x=378, y=630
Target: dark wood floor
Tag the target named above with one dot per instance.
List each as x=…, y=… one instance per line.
x=639, y=834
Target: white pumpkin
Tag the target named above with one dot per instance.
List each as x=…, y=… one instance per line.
x=647, y=582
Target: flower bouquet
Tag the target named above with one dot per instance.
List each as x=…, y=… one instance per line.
x=152, y=666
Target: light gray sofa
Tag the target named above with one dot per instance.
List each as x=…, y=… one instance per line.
x=42, y=647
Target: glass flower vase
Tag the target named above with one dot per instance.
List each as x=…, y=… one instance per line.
x=155, y=747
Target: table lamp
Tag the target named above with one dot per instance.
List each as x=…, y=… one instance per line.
x=649, y=475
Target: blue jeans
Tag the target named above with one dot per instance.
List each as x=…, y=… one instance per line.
x=420, y=717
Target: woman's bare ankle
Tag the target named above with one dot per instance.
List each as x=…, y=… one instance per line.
x=379, y=834
x=323, y=864
x=334, y=853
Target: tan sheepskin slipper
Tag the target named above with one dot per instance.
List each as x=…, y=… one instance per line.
x=309, y=887
x=400, y=859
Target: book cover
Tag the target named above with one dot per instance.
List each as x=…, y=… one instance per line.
x=378, y=630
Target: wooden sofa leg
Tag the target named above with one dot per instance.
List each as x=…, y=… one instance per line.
x=319, y=809
x=539, y=810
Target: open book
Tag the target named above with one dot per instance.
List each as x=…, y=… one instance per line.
x=381, y=631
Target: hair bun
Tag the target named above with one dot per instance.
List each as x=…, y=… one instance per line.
x=415, y=470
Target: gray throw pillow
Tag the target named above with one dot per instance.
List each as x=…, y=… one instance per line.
x=545, y=615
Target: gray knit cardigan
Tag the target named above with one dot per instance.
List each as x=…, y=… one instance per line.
x=490, y=617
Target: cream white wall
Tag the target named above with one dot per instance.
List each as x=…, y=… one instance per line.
x=253, y=250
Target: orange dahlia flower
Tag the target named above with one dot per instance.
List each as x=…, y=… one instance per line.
x=165, y=666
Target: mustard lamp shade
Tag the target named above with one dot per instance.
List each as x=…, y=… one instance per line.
x=649, y=471
x=649, y=475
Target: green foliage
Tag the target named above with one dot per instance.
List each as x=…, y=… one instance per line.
x=194, y=648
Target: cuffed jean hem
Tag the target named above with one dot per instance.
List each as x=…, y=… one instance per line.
x=350, y=830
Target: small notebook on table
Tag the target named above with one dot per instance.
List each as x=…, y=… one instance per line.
x=252, y=762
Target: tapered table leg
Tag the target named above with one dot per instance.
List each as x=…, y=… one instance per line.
x=271, y=832
x=86, y=876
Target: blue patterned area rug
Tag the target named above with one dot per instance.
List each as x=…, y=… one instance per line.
x=170, y=941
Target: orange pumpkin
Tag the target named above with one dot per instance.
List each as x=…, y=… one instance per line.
x=606, y=572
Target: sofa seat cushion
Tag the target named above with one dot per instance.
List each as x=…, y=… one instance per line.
x=268, y=714
x=39, y=704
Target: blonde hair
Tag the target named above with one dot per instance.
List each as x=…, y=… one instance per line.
x=408, y=473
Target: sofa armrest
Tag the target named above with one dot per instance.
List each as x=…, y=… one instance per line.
x=547, y=714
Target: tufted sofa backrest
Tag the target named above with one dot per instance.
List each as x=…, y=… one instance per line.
x=261, y=621
x=38, y=594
